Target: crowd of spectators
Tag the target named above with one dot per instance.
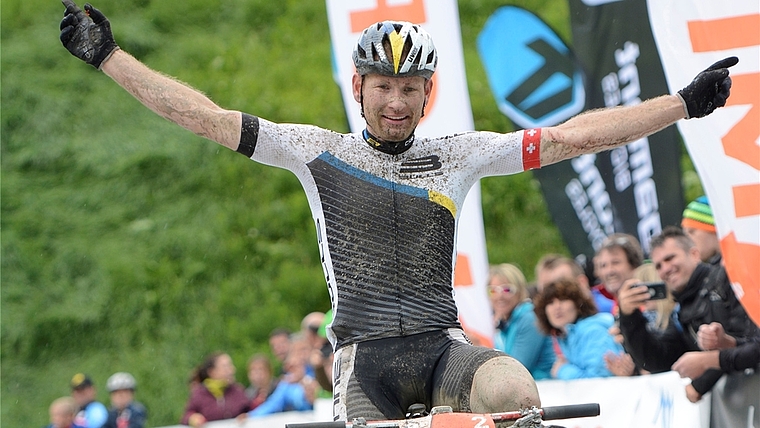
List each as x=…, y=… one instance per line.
x=610, y=324
x=82, y=410
x=565, y=325
x=298, y=371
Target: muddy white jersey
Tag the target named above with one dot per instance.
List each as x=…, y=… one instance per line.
x=386, y=223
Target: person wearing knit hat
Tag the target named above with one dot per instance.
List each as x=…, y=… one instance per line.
x=698, y=223
x=698, y=215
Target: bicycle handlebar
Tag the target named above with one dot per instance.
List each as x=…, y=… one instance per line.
x=570, y=411
x=547, y=414
x=337, y=424
x=554, y=412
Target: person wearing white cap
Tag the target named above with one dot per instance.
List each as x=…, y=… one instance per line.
x=125, y=412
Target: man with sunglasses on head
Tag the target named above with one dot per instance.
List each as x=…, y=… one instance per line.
x=386, y=204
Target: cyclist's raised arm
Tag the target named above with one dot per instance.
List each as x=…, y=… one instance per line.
x=174, y=101
x=87, y=35
x=604, y=129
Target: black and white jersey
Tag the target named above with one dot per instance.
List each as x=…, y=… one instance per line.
x=386, y=223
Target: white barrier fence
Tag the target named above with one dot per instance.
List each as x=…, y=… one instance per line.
x=652, y=401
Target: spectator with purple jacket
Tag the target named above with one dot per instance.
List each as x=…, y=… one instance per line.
x=215, y=395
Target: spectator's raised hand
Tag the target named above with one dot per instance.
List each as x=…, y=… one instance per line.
x=631, y=297
x=692, y=394
x=619, y=364
x=310, y=388
x=616, y=334
x=713, y=336
x=694, y=364
x=196, y=420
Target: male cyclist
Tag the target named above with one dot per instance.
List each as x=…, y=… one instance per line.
x=386, y=205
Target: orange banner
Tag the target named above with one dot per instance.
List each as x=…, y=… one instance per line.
x=691, y=35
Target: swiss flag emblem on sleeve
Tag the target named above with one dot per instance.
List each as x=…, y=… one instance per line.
x=531, y=149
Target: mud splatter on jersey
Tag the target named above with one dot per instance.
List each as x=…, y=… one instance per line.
x=386, y=223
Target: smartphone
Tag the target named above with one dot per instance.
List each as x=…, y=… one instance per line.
x=657, y=290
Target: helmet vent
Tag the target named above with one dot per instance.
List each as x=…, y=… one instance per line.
x=395, y=48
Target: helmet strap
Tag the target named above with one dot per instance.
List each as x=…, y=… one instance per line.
x=361, y=98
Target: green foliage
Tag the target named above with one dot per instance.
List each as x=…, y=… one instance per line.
x=131, y=244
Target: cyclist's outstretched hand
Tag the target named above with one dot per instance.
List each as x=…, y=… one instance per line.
x=709, y=90
x=87, y=34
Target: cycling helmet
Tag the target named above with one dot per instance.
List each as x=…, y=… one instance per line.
x=395, y=38
x=119, y=381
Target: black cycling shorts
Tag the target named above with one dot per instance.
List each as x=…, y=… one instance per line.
x=380, y=379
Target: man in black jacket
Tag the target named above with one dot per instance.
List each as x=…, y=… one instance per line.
x=704, y=295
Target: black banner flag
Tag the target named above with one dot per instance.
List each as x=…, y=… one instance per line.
x=538, y=81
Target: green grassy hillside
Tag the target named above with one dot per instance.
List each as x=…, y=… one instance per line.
x=130, y=244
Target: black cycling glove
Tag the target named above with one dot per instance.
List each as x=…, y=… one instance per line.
x=709, y=90
x=87, y=35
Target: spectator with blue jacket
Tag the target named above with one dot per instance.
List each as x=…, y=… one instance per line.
x=92, y=413
x=580, y=332
x=517, y=333
x=296, y=390
x=552, y=267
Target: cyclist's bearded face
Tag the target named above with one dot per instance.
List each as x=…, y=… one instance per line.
x=392, y=106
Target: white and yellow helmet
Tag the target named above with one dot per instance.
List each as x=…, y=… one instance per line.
x=401, y=38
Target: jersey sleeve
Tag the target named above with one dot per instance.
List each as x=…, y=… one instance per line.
x=504, y=154
x=282, y=145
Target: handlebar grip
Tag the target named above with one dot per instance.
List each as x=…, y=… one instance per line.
x=570, y=411
x=336, y=424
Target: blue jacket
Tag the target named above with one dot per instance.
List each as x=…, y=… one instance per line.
x=286, y=397
x=584, y=347
x=92, y=415
x=520, y=338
